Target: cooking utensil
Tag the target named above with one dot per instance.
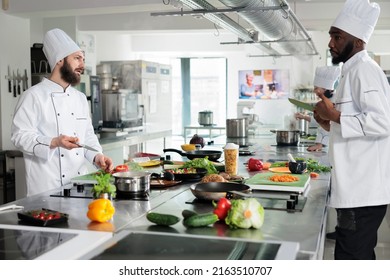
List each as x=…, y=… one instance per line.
x=200, y=173
x=216, y=190
x=290, y=157
x=304, y=105
x=87, y=147
x=237, y=128
x=11, y=207
x=132, y=182
x=9, y=78
x=286, y=137
x=212, y=155
x=205, y=118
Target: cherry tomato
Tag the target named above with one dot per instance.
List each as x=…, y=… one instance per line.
x=121, y=168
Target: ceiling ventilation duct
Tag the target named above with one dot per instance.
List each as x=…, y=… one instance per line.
x=274, y=24
x=273, y=19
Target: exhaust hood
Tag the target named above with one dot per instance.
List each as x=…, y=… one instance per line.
x=270, y=25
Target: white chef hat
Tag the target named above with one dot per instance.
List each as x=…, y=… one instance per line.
x=58, y=45
x=358, y=18
x=326, y=76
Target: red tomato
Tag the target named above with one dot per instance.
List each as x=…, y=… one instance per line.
x=122, y=168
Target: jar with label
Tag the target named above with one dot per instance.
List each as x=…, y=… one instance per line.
x=231, y=158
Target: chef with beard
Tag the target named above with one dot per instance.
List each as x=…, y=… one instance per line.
x=359, y=143
x=52, y=117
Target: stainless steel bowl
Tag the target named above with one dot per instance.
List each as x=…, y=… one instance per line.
x=132, y=182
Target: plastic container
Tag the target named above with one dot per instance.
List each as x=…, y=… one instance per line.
x=231, y=158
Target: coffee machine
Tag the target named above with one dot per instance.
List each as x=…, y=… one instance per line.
x=245, y=109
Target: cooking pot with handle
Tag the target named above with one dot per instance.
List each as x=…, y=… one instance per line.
x=134, y=182
x=287, y=137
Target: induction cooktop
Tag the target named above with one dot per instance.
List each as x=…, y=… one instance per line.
x=22, y=244
x=129, y=245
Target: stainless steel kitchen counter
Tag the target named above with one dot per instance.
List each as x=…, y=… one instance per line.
x=306, y=227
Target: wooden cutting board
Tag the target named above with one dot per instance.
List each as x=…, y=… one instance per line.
x=261, y=181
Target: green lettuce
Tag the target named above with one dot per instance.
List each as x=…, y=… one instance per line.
x=201, y=163
x=245, y=213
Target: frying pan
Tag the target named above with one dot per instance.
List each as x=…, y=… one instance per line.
x=216, y=190
x=200, y=173
x=212, y=155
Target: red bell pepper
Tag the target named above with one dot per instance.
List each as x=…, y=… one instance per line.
x=222, y=208
x=255, y=164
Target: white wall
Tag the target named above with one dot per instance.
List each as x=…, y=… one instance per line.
x=15, y=53
x=154, y=46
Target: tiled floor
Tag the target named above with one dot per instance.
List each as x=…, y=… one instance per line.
x=382, y=250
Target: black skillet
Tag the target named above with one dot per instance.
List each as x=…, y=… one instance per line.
x=211, y=155
x=216, y=190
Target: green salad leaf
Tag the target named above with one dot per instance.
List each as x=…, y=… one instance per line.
x=201, y=163
x=245, y=213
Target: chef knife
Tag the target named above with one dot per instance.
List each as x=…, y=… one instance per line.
x=9, y=79
x=19, y=79
x=87, y=147
x=304, y=105
x=25, y=78
x=14, y=81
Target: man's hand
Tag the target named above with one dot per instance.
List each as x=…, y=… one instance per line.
x=325, y=110
x=104, y=163
x=64, y=141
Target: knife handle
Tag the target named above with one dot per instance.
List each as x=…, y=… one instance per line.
x=14, y=90
x=18, y=89
x=9, y=86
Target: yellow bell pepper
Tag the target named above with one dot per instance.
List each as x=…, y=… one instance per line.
x=100, y=210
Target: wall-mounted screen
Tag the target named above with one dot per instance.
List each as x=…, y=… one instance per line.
x=264, y=84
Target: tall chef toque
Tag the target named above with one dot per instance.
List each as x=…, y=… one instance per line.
x=326, y=76
x=58, y=45
x=358, y=18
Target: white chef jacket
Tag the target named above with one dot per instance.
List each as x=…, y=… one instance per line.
x=46, y=111
x=322, y=136
x=359, y=150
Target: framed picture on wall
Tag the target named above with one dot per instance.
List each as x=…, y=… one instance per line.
x=265, y=84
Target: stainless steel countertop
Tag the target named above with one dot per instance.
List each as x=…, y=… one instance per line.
x=306, y=227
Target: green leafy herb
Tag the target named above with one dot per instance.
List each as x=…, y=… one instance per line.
x=314, y=166
x=201, y=163
x=103, y=185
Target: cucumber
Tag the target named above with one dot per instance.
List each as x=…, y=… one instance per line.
x=200, y=220
x=162, y=219
x=188, y=213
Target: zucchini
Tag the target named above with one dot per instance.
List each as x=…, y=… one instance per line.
x=188, y=213
x=162, y=219
x=200, y=220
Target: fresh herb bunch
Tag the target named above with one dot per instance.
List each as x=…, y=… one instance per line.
x=103, y=185
x=314, y=166
x=201, y=163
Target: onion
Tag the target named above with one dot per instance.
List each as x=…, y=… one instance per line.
x=197, y=140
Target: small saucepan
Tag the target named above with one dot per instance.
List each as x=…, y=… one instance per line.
x=210, y=154
x=217, y=190
x=132, y=182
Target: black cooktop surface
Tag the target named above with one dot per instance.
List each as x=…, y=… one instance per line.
x=27, y=245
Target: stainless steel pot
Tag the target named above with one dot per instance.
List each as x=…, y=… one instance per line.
x=205, y=118
x=287, y=137
x=237, y=128
x=135, y=182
